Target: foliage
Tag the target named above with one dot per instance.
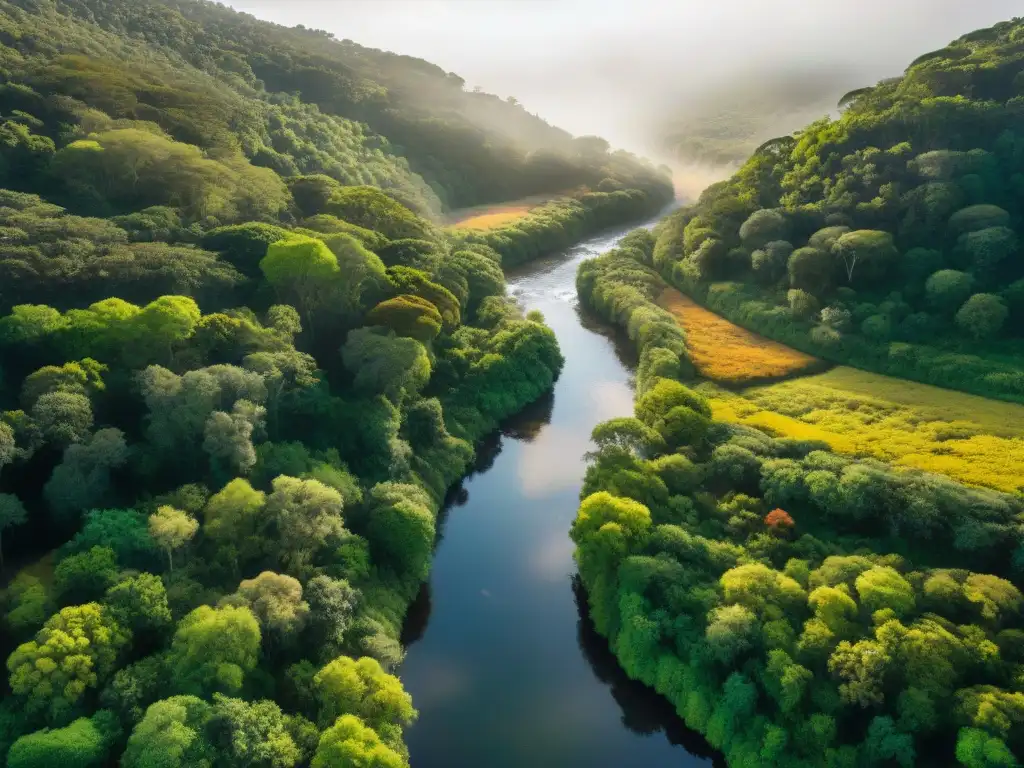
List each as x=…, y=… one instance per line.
x=199, y=211
x=897, y=211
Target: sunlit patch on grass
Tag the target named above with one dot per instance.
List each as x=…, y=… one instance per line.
x=968, y=438
x=494, y=218
x=725, y=352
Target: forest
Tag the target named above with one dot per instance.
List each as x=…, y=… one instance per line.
x=797, y=606
x=827, y=571
x=243, y=362
x=889, y=238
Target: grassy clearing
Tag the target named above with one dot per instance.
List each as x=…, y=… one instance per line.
x=494, y=219
x=971, y=439
x=483, y=217
x=725, y=352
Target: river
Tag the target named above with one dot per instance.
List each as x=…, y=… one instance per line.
x=503, y=663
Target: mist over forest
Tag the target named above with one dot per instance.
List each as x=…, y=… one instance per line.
x=675, y=81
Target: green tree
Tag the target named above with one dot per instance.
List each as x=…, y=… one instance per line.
x=386, y=364
x=977, y=749
x=83, y=378
x=86, y=576
x=763, y=227
x=811, y=269
x=170, y=735
x=276, y=602
x=82, y=744
x=307, y=514
x=63, y=417
x=214, y=648
x=332, y=606
x=250, y=733
x=802, y=304
x=126, y=531
x=401, y=534
x=349, y=743
x=347, y=686
x=665, y=395
x=982, y=316
x=303, y=271
x=233, y=518
x=984, y=251
x=947, y=289
x=83, y=477
x=74, y=651
x=12, y=513
x=139, y=603
x=171, y=529
x=407, y=315
x=164, y=323
x=866, y=252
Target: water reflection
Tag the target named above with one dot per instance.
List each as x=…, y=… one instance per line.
x=644, y=711
x=528, y=423
x=417, y=618
x=502, y=662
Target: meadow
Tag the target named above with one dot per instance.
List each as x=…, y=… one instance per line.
x=971, y=439
x=728, y=354
x=485, y=217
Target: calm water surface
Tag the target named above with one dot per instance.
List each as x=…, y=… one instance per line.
x=503, y=663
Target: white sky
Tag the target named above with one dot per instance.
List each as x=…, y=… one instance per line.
x=609, y=66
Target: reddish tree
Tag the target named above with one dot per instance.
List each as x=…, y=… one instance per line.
x=779, y=521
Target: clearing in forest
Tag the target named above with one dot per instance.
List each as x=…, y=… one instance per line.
x=968, y=438
x=494, y=216
x=725, y=352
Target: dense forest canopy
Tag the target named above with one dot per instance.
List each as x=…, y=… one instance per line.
x=242, y=365
x=890, y=237
x=294, y=100
x=797, y=607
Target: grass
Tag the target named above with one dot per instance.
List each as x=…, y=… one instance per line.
x=483, y=217
x=495, y=218
x=726, y=353
x=971, y=439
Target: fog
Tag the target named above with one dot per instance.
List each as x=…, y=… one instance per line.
x=625, y=68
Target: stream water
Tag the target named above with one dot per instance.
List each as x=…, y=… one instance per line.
x=503, y=662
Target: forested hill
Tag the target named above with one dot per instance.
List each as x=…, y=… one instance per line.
x=242, y=366
x=890, y=237
x=291, y=99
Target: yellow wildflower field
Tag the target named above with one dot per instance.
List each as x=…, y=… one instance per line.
x=968, y=438
x=725, y=352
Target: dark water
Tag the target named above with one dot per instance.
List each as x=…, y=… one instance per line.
x=503, y=663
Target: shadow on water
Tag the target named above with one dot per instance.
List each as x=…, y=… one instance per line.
x=644, y=710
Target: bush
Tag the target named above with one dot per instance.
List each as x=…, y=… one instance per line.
x=982, y=315
x=948, y=289
x=802, y=304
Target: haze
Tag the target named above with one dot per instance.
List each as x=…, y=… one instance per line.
x=623, y=68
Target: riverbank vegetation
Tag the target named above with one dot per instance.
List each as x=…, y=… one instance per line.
x=560, y=223
x=726, y=353
x=243, y=363
x=798, y=607
x=888, y=239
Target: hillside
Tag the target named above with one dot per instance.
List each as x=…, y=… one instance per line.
x=792, y=566
x=292, y=99
x=725, y=123
x=889, y=238
x=243, y=363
